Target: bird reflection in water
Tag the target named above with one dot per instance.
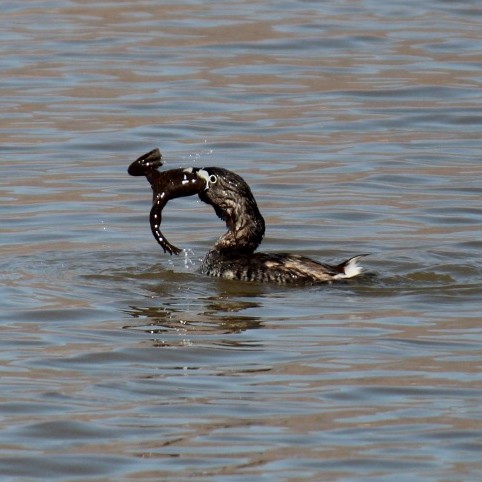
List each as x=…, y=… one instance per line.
x=217, y=316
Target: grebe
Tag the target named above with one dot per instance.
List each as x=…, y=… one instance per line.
x=232, y=256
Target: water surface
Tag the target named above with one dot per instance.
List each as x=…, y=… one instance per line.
x=357, y=126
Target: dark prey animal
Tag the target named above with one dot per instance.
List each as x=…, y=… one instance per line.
x=233, y=255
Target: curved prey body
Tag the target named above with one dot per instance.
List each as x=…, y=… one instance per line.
x=166, y=185
x=233, y=255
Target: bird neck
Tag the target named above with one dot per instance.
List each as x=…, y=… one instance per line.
x=245, y=228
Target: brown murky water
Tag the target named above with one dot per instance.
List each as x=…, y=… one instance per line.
x=357, y=124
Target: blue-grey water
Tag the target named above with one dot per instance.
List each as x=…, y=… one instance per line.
x=358, y=126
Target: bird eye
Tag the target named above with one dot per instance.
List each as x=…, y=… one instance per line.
x=213, y=179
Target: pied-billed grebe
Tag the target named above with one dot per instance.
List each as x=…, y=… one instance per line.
x=233, y=256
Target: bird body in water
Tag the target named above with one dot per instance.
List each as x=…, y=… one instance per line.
x=233, y=255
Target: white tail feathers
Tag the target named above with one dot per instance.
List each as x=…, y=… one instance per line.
x=350, y=268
